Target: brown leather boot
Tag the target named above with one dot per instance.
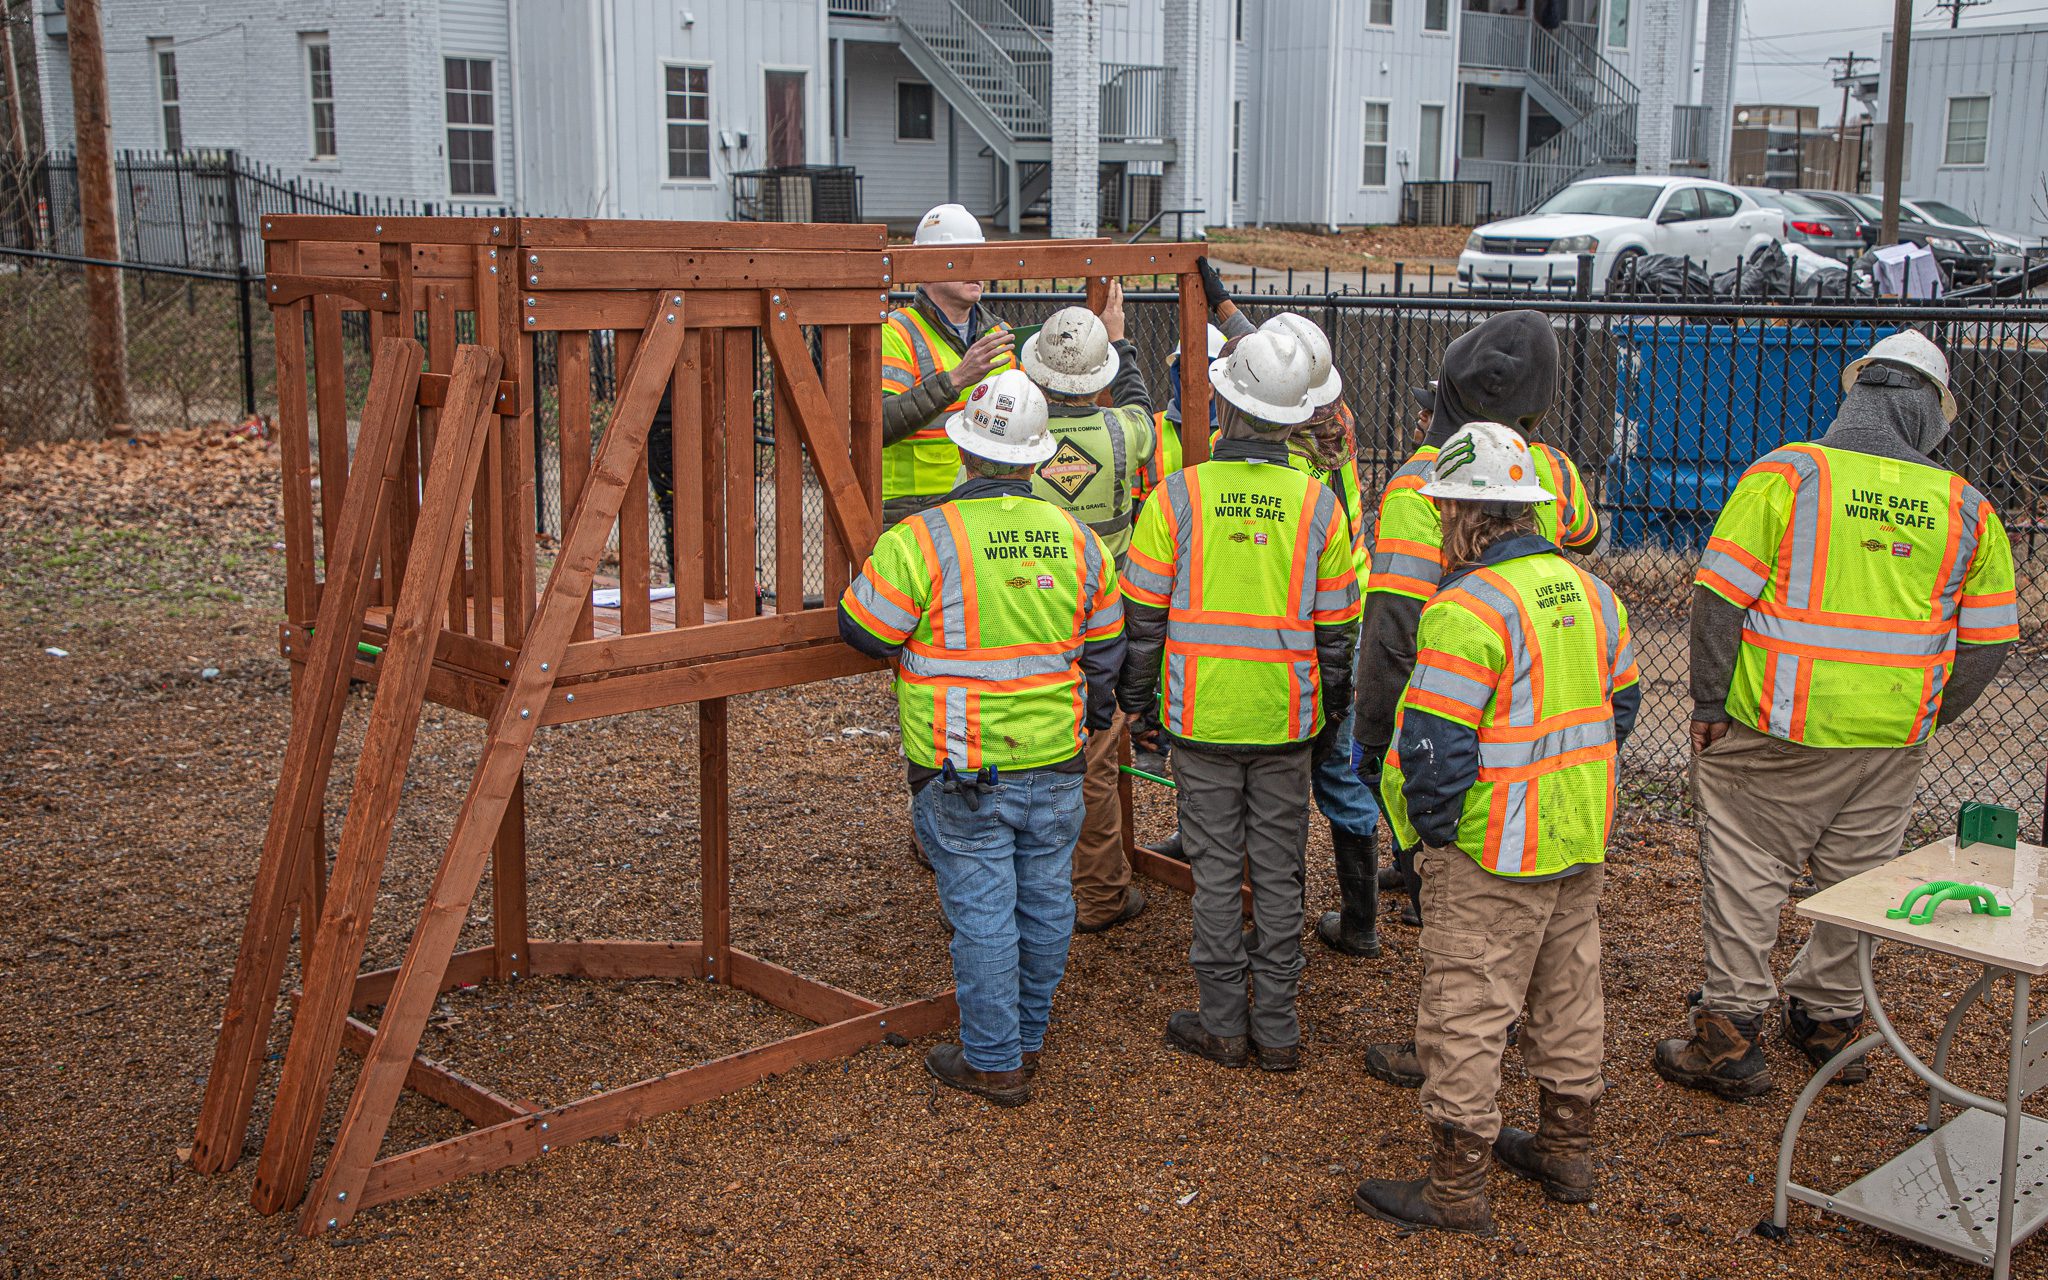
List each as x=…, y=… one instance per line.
x=1451, y=1198
x=1559, y=1155
x=1723, y=1056
x=948, y=1065
x=1394, y=1064
x=1185, y=1032
x=1821, y=1039
x=1134, y=905
x=1277, y=1057
x=1031, y=1063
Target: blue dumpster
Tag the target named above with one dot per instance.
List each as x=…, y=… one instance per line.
x=1702, y=401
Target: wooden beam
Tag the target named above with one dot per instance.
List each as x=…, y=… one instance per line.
x=686, y=447
x=508, y=399
x=615, y=959
x=807, y=998
x=825, y=433
x=634, y=233
x=719, y=678
x=408, y=231
x=437, y=1083
x=709, y=308
x=1038, y=259
x=714, y=835
x=612, y=268
x=511, y=952
x=465, y=969
x=1194, y=379
x=369, y=293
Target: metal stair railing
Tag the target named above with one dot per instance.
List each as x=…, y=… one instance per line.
x=1016, y=93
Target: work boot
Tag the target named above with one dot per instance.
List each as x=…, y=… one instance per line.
x=1277, y=1057
x=1185, y=1032
x=1820, y=1039
x=1410, y=886
x=1723, y=1056
x=948, y=1065
x=1169, y=847
x=1134, y=903
x=1451, y=1198
x=1030, y=1067
x=1390, y=878
x=1355, y=930
x=1394, y=1064
x=1559, y=1155
x=917, y=851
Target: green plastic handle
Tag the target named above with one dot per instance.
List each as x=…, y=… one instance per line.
x=1931, y=895
x=1149, y=777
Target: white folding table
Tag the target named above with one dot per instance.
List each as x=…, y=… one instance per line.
x=1977, y=1185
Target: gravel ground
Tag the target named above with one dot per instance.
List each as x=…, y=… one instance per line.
x=133, y=790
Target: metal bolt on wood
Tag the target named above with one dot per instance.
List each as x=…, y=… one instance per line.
x=525, y=712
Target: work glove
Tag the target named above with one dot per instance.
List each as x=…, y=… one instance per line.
x=1366, y=765
x=1147, y=737
x=1212, y=284
x=1325, y=741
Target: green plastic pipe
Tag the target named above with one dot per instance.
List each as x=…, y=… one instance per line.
x=362, y=647
x=1149, y=777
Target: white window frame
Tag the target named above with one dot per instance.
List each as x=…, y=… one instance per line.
x=1370, y=5
x=161, y=48
x=1628, y=20
x=449, y=128
x=1236, y=151
x=1443, y=124
x=1444, y=30
x=897, y=127
x=308, y=41
x=1237, y=21
x=710, y=178
x=1465, y=130
x=1948, y=132
x=1385, y=144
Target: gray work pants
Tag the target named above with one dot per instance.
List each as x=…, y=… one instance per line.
x=1234, y=810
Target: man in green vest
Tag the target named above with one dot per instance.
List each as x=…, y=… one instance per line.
x=1855, y=595
x=1000, y=615
x=1073, y=358
x=933, y=352
x=1503, y=771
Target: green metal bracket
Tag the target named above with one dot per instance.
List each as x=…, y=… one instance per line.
x=1931, y=895
x=1993, y=824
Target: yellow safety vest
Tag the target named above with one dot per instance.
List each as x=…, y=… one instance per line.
x=1089, y=474
x=926, y=461
x=1163, y=461
x=1407, y=543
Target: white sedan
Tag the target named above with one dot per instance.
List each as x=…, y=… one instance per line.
x=1616, y=220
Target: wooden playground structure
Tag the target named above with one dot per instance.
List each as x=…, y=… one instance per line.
x=413, y=565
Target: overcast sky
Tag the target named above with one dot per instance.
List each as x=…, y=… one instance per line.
x=1785, y=47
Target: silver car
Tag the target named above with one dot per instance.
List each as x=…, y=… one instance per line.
x=2009, y=252
x=1819, y=227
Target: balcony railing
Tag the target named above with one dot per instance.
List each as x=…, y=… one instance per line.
x=1496, y=40
x=858, y=8
x=1133, y=102
x=1689, y=134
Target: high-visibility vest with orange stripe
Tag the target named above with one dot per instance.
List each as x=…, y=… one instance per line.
x=1528, y=653
x=1407, y=543
x=925, y=461
x=1858, y=576
x=1343, y=478
x=1163, y=461
x=991, y=601
x=1247, y=558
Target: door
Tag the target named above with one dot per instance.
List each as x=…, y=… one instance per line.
x=785, y=118
x=1727, y=231
x=1429, y=147
x=1679, y=229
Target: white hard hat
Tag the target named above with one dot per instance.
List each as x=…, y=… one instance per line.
x=1005, y=421
x=1215, y=345
x=1910, y=348
x=1327, y=384
x=1070, y=353
x=1267, y=375
x=1485, y=462
x=949, y=224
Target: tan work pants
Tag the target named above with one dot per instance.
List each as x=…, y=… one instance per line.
x=1490, y=943
x=1769, y=807
x=1102, y=871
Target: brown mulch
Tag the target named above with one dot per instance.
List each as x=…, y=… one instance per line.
x=1352, y=249
x=133, y=791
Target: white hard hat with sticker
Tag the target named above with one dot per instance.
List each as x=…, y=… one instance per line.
x=1005, y=421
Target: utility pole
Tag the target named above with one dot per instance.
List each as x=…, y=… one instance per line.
x=1895, y=119
x=107, y=328
x=1955, y=9
x=1844, y=78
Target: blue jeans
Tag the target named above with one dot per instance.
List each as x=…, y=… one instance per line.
x=1348, y=803
x=1005, y=874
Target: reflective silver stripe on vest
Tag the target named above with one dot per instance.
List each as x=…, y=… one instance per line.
x=1275, y=640
x=1514, y=827
x=952, y=591
x=1176, y=692
x=1521, y=695
x=1120, y=471
x=1799, y=593
x=1517, y=755
x=1107, y=616
x=1970, y=530
x=886, y=611
x=1737, y=574
x=1461, y=689
x=1111, y=527
x=1145, y=579
x=1339, y=599
x=1624, y=658
x=1988, y=617
x=1183, y=538
x=1400, y=564
x=1821, y=635
x=1318, y=537
x=982, y=668
x=1610, y=617
x=1931, y=708
x=956, y=725
x=919, y=348
x=1305, y=702
x=1784, y=669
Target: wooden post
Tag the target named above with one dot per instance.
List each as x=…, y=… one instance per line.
x=714, y=837
x=23, y=213
x=510, y=948
x=1194, y=371
x=106, y=337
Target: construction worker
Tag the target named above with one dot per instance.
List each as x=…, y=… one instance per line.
x=1240, y=587
x=1853, y=597
x=933, y=353
x=1074, y=356
x=1165, y=458
x=1001, y=617
x=1504, y=370
x=1503, y=770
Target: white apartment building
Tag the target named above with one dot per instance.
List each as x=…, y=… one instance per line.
x=1298, y=112
x=1976, y=101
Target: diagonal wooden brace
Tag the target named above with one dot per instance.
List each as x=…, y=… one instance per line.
x=823, y=428
x=338, y=1193
x=318, y=696
x=408, y=656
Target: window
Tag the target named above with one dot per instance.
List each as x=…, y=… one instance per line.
x=1614, y=199
x=689, y=124
x=1379, y=13
x=1718, y=203
x=1374, y=173
x=913, y=111
x=1429, y=145
x=1237, y=21
x=167, y=94
x=320, y=92
x=1617, y=24
x=1236, y=149
x=1472, y=139
x=1436, y=15
x=1684, y=202
x=472, y=128
x=1969, y=131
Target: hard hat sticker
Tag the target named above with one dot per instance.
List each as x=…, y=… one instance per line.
x=980, y=390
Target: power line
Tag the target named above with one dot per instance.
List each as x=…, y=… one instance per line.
x=1836, y=30
x=1955, y=8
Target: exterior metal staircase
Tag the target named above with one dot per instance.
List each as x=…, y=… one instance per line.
x=1565, y=74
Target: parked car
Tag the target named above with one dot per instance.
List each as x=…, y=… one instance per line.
x=1820, y=227
x=1616, y=220
x=1964, y=259
x=2009, y=252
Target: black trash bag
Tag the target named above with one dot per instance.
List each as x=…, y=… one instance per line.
x=1767, y=274
x=1660, y=275
x=1829, y=282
